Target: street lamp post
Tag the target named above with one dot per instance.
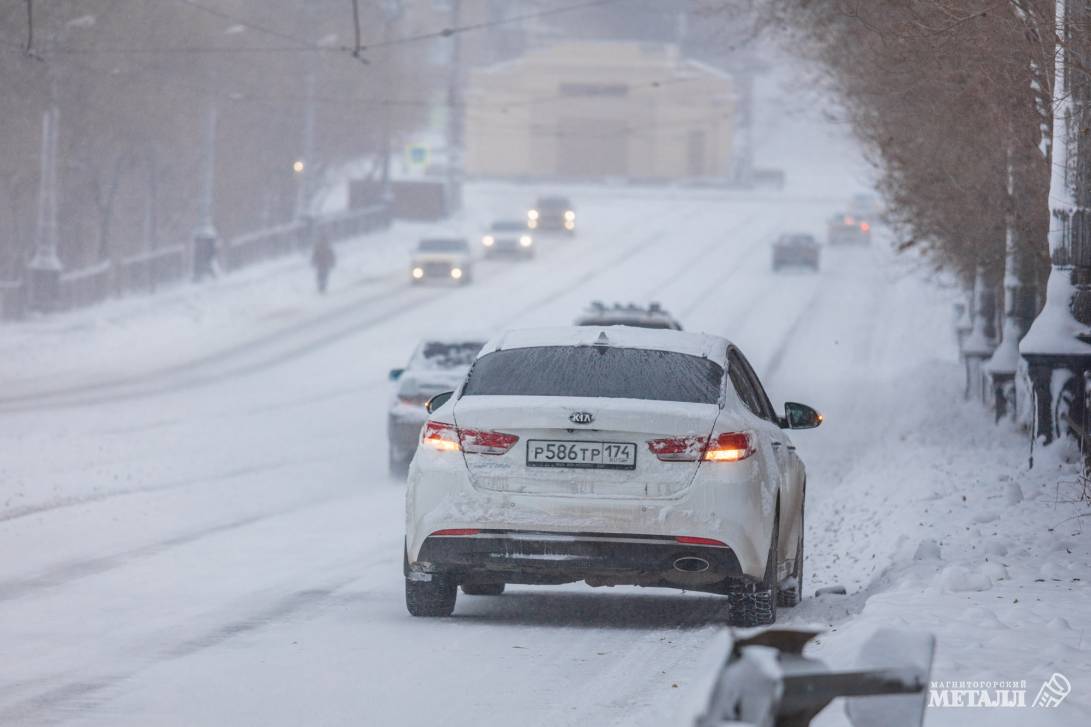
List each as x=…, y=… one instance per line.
x=45, y=268
x=454, y=113
x=205, y=237
x=392, y=13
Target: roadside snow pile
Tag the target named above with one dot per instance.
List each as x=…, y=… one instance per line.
x=941, y=526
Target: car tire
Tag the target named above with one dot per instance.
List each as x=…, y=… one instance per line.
x=483, y=589
x=431, y=599
x=757, y=605
x=791, y=596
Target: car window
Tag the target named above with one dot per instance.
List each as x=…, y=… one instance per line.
x=761, y=399
x=597, y=371
x=442, y=246
x=553, y=202
x=742, y=385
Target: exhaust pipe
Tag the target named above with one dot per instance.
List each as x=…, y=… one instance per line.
x=691, y=564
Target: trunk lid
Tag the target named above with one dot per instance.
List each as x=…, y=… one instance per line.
x=548, y=419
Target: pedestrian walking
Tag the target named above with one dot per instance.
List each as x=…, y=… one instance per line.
x=323, y=259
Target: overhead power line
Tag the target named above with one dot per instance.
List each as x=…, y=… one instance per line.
x=250, y=25
x=310, y=47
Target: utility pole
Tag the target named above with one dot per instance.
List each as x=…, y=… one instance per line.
x=44, y=269
x=1057, y=347
x=392, y=13
x=205, y=237
x=454, y=113
x=304, y=166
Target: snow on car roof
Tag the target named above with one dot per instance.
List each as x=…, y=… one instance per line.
x=694, y=344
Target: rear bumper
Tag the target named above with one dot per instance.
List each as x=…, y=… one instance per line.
x=731, y=505
x=523, y=556
x=548, y=224
x=795, y=258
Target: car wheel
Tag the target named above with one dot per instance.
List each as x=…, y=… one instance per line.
x=482, y=589
x=431, y=599
x=757, y=605
x=793, y=594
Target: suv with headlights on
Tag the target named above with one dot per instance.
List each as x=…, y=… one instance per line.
x=442, y=258
x=508, y=237
x=552, y=214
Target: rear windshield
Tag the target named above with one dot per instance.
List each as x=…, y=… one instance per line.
x=442, y=245
x=602, y=371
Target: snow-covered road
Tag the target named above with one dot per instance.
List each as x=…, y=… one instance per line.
x=203, y=532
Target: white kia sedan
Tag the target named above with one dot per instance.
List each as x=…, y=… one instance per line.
x=611, y=455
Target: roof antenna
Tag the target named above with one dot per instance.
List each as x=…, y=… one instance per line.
x=602, y=340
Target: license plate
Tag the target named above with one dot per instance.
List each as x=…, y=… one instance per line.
x=587, y=455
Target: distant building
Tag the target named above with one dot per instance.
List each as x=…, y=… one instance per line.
x=599, y=109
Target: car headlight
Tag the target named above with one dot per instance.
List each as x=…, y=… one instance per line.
x=488, y=240
x=569, y=225
x=418, y=273
x=532, y=214
x=456, y=273
x=570, y=216
x=532, y=224
x=526, y=241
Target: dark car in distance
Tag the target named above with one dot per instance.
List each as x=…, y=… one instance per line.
x=795, y=250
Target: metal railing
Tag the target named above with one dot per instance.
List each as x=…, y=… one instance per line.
x=148, y=271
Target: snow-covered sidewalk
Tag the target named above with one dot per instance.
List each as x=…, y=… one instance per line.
x=938, y=525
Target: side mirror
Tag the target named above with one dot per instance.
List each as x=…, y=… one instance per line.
x=396, y=374
x=438, y=400
x=800, y=416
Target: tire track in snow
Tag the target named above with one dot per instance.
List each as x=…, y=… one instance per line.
x=50, y=705
x=166, y=381
x=74, y=570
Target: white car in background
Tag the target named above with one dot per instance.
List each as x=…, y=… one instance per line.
x=615, y=456
x=442, y=258
x=438, y=364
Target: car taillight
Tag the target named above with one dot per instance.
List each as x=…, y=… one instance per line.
x=730, y=447
x=478, y=442
x=449, y=438
x=678, y=449
x=413, y=400
x=455, y=532
x=865, y=226
x=441, y=437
